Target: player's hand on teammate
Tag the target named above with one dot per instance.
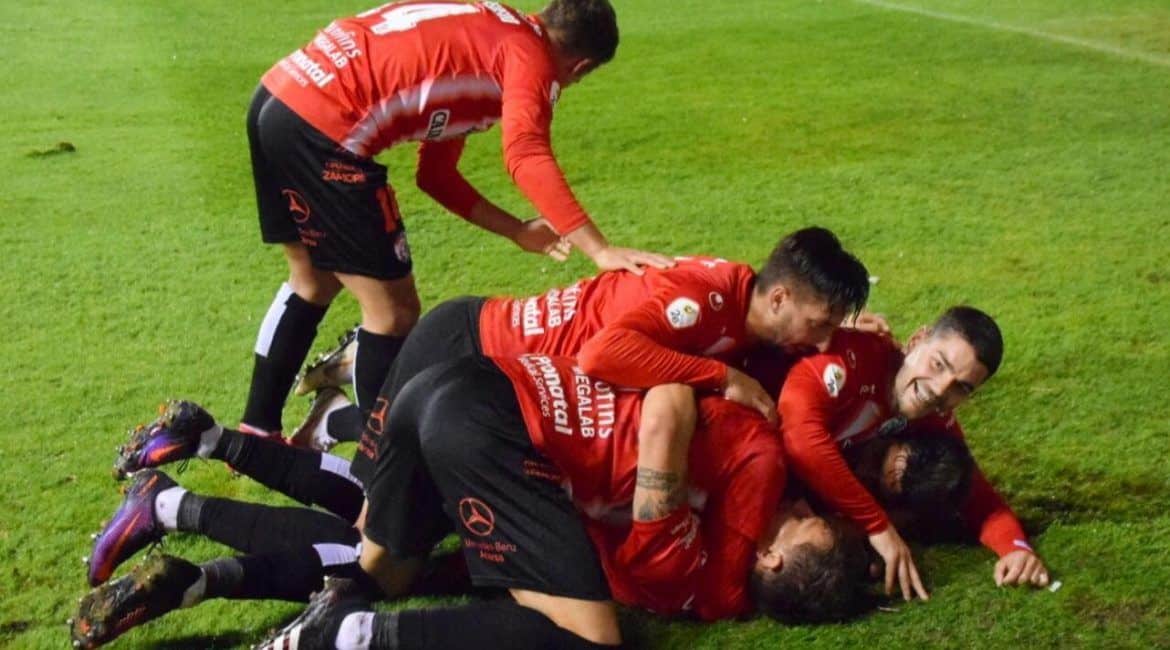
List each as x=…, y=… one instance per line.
x=899, y=564
x=742, y=389
x=1021, y=568
x=615, y=258
x=868, y=321
x=537, y=236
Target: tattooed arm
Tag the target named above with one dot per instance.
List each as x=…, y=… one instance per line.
x=664, y=436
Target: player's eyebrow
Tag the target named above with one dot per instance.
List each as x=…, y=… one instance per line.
x=967, y=387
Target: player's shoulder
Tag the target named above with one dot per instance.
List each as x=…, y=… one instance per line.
x=850, y=353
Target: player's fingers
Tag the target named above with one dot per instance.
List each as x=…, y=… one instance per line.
x=655, y=260
x=1012, y=577
x=1041, y=578
x=564, y=245
x=917, y=582
x=890, y=571
x=557, y=254
x=904, y=580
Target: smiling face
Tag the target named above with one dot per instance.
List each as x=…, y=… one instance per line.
x=939, y=372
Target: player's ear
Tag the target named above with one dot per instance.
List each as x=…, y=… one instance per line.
x=581, y=67
x=778, y=294
x=917, y=337
x=770, y=559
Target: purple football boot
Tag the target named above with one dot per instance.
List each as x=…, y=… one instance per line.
x=132, y=527
x=173, y=436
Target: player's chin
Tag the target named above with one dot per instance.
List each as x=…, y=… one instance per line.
x=909, y=407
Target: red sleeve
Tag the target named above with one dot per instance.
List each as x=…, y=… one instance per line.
x=661, y=558
x=986, y=512
x=722, y=589
x=526, y=118
x=660, y=340
x=813, y=456
x=438, y=175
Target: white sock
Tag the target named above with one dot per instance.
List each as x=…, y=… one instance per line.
x=356, y=631
x=166, y=508
x=208, y=440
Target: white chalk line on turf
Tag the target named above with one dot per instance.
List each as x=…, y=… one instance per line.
x=1106, y=48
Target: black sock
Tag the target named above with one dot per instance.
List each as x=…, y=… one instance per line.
x=222, y=577
x=281, y=347
x=375, y=353
x=492, y=624
x=258, y=528
x=345, y=424
x=292, y=471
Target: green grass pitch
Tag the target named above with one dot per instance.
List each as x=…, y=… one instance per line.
x=1008, y=153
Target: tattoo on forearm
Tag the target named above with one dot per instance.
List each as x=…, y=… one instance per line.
x=657, y=494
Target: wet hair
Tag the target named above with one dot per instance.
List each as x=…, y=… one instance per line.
x=585, y=28
x=978, y=329
x=813, y=259
x=816, y=585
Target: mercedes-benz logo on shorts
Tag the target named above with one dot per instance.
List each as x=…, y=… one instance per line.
x=477, y=517
x=297, y=206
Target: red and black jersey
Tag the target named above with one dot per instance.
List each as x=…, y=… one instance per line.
x=433, y=72
x=842, y=397
x=699, y=558
x=682, y=325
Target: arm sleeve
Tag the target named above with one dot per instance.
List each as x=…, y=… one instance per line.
x=643, y=348
x=813, y=455
x=438, y=175
x=987, y=513
x=722, y=589
x=662, y=559
x=525, y=125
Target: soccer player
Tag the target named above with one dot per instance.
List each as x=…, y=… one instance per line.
x=849, y=393
x=429, y=72
x=690, y=324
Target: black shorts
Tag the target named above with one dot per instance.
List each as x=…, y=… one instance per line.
x=447, y=332
x=310, y=189
x=460, y=458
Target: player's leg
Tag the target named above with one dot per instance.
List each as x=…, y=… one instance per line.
x=404, y=517
x=390, y=308
x=288, y=328
x=518, y=527
x=185, y=430
x=165, y=583
x=447, y=332
x=154, y=505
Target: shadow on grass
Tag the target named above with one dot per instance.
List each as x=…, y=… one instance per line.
x=1087, y=496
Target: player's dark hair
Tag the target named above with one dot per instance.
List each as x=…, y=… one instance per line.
x=585, y=28
x=938, y=469
x=978, y=329
x=813, y=258
x=816, y=585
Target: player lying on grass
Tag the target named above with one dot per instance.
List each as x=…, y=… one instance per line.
x=732, y=473
x=850, y=392
x=690, y=324
x=407, y=72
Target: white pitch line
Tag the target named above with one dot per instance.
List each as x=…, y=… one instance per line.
x=1106, y=48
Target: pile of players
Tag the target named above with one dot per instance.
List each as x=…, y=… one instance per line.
x=689, y=436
